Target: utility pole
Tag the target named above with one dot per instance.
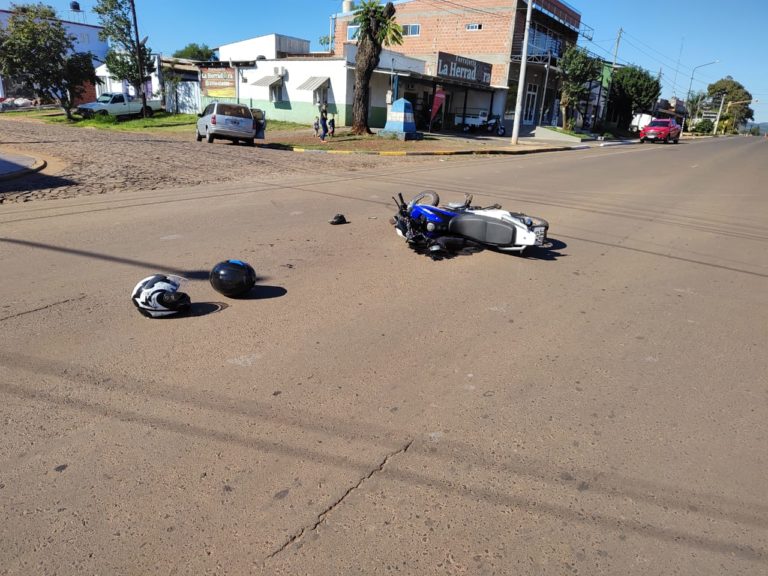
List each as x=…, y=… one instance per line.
x=546, y=81
x=613, y=71
x=521, y=80
x=717, y=121
x=139, y=62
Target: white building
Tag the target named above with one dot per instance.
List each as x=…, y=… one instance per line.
x=279, y=75
x=86, y=40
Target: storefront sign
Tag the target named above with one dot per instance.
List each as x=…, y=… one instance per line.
x=460, y=68
x=218, y=82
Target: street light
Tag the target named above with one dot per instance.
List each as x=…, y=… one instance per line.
x=690, y=85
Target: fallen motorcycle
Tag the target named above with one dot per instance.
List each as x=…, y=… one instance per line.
x=426, y=226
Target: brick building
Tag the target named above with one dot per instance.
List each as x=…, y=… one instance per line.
x=486, y=31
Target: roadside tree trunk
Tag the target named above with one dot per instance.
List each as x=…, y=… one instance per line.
x=367, y=59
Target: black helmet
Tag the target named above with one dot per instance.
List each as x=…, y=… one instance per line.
x=157, y=296
x=233, y=278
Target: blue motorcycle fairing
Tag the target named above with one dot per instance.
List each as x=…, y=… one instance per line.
x=432, y=213
x=440, y=217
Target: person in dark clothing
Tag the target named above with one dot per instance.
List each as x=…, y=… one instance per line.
x=332, y=126
x=324, y=121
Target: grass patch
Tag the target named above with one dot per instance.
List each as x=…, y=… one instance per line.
x=286, y=126
x=35, y=113
x=565, y=131
x=160, y=121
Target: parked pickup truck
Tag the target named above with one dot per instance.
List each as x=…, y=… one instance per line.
x=117, y=104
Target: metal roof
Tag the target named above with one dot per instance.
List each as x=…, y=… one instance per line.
x=267, y=81
x=313, y=83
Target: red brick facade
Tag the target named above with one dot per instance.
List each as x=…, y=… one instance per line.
x=485, y=30
x=88, y=95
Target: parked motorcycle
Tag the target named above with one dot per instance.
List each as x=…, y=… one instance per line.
x=425, y=225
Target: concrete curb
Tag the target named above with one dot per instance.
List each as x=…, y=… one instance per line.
x=36, y=167
x=492, y=152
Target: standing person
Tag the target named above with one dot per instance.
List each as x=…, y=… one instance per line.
x=332, y=126
x=316, y=126
x=324, y=121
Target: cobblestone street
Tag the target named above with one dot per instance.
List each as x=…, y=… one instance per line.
x=85, y=162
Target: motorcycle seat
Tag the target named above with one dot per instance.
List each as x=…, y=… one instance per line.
x=483, y=229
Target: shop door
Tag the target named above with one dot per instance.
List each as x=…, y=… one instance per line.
x=529, y=112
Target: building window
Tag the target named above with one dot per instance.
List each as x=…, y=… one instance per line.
x=411, y=29
x=276, y=92
x=543, y=41
x=320, y=95
x=474, y=26
x=352, y=32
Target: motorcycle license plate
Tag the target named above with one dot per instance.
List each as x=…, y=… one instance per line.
x=540, y=232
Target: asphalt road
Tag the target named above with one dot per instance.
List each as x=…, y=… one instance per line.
x=597, y=408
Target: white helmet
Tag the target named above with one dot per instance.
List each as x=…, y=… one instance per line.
x=158, y=296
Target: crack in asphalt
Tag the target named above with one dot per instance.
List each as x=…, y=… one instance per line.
x=67, y=301
x=324, y=514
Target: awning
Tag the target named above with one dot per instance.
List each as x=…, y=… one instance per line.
x=268, y=81
x=314, y=82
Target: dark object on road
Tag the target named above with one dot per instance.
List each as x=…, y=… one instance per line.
x=233, y=278
x=338, y=219
x=158, y=296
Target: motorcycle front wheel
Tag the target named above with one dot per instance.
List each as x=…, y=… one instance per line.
x=434, y=199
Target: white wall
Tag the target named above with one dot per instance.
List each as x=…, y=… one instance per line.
x=110, y=85
x=267, y=46
x=188, y=98
x=250, y=49
x=296, y=73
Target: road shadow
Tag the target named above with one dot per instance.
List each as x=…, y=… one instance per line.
x=205, y=308
x=548, y=253
x=261, y=292
x=33, y=183
x=188, y=274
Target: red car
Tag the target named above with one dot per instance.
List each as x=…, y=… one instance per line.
x=661, y=129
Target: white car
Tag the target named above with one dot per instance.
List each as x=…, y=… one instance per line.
x=235, y=122
x=117, y=104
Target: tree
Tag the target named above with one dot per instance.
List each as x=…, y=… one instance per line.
x=733, y=91
x=693, y=104
x=200, y=52
x=171, y=80
x=377, y=28
x=325, y=41
x=117, y=22
x=577, y=70
x=36, y=50
x=633, y=90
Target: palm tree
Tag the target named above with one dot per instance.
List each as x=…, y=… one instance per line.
x=377, y=28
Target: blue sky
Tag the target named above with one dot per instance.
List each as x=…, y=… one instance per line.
x=654, y=32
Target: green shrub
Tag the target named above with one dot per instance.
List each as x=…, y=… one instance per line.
x=704, y=126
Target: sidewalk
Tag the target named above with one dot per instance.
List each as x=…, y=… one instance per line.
x=15, y=165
